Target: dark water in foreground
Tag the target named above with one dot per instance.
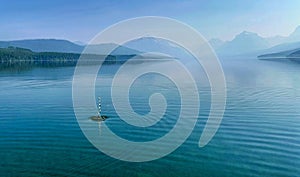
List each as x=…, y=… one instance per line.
x=259, y=134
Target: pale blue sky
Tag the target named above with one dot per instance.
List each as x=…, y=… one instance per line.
x=80, y=20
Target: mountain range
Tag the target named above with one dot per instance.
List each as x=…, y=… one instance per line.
x=159, y=46
x=245, y=43
x=44, y=45
x=64, y=46
x=252, y=43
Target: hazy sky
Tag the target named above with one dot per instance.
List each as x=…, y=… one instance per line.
x=80, y=20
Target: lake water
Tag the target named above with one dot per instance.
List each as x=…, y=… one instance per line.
x=259, y=134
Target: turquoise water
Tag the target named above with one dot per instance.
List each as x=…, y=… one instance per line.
x=259, y=134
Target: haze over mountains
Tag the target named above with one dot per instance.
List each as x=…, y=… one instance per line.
x=157, y=45
x=252, y=43
x=245, y=43
x=44, y=45
x=64, y=46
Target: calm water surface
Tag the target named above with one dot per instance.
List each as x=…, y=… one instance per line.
x=259, y=134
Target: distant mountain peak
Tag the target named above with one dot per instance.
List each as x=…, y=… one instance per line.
x=296, y=32
x=153, y=44
x=294, y=36
x=297, y=28
x=245, y=42
x=247, y=34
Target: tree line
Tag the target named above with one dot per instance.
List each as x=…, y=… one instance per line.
x=18, y=57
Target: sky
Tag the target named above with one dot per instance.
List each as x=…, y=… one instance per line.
x=76, y=20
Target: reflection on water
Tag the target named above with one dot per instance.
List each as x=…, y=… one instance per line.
x=259, y=134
